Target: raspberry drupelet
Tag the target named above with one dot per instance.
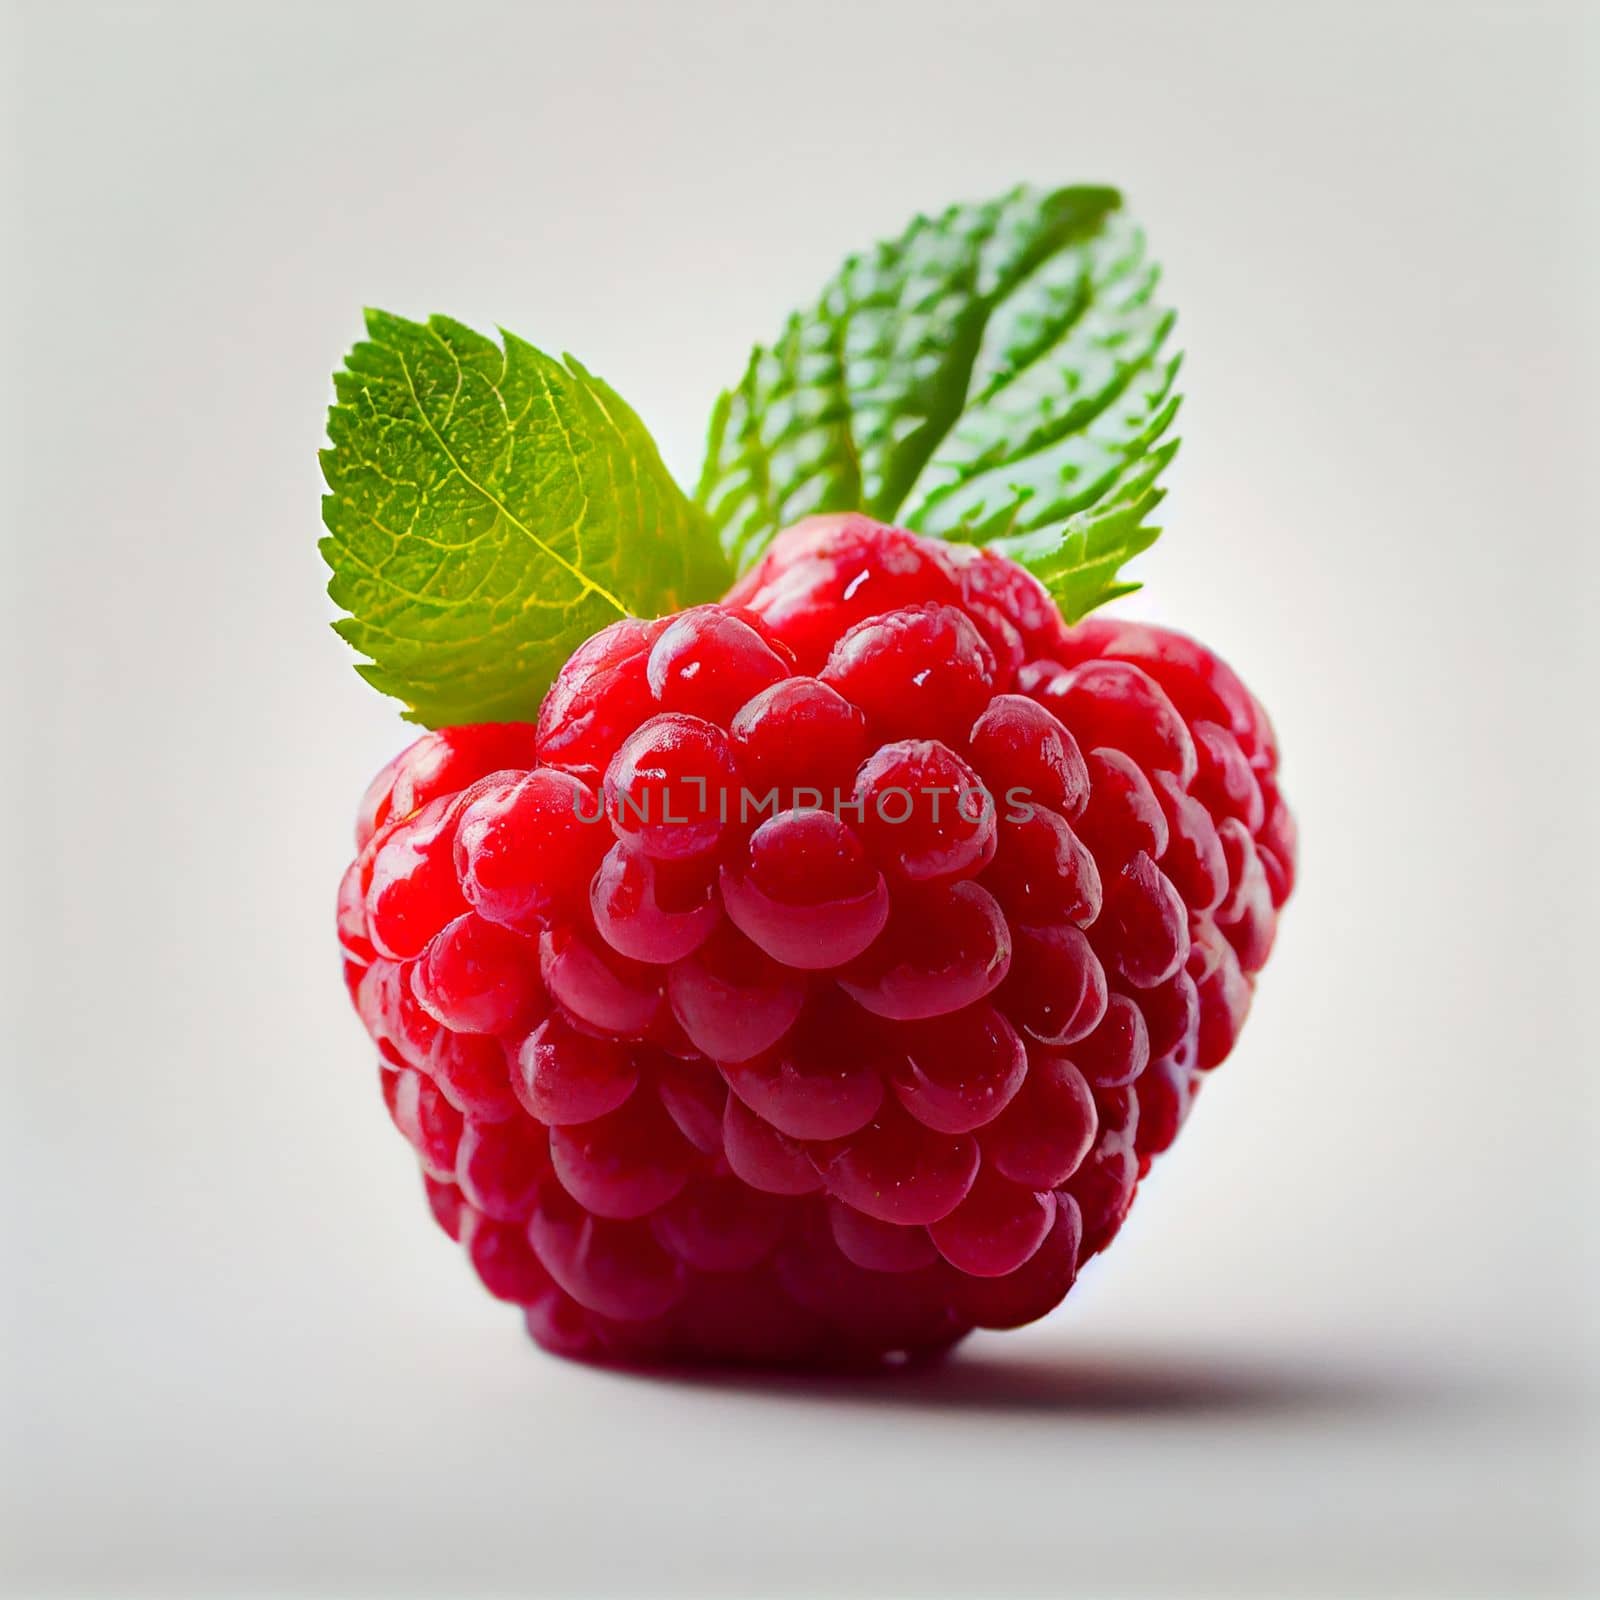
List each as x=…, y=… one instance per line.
x=819, y=978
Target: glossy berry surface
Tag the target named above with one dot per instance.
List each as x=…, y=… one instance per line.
x=818, y=978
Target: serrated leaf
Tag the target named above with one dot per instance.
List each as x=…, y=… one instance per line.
x=995, y=375
x=489, y=508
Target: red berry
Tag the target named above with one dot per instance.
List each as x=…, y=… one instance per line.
x=694, y=1095
x=1247, y=914
x=1223, y=994
x=1113, y=703
x=1043, y=872
x=993, y=587
x=474, y=1075
x=428, y=1120
x=1119, y=1048
x=1143, y=931
x=1166, y=1090
x=1193, y=859
x=866, y=1311
x=403, y=1032
x=878, y=1246
x=1277, y=843
x=1032, y=1289
x=1104, y=1185
x=499, y=1166
x=1057, y=990
x=1201, y=686
x=718, y=1225
x=764, y=1158
x=713, y=1047
x=444, y=1200
x=1225, y=783
x=617, y=1269
x=625, y=1164
x=1123, y=815
x=557, y=1323
x=1171, y=1010
x=503, y=1259
x=353, y=940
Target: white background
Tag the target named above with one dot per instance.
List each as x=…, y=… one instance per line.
x=1340, y=1347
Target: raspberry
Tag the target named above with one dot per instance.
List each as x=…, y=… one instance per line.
x=1113, y=703
x=717, y=1224
x=470, y=1071
x=499, y=1166
x=820, y=978
x=430, y=1123
x=762, y=1156
x=1043, y=872
x=878, y=1246
x=1118, y=1050
x=625, y=1164
x=1042, y=1137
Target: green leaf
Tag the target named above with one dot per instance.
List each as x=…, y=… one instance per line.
x=489, y=508
x=995, y=375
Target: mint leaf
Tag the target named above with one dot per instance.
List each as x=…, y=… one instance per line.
x=489, y=508
x=995, y=375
